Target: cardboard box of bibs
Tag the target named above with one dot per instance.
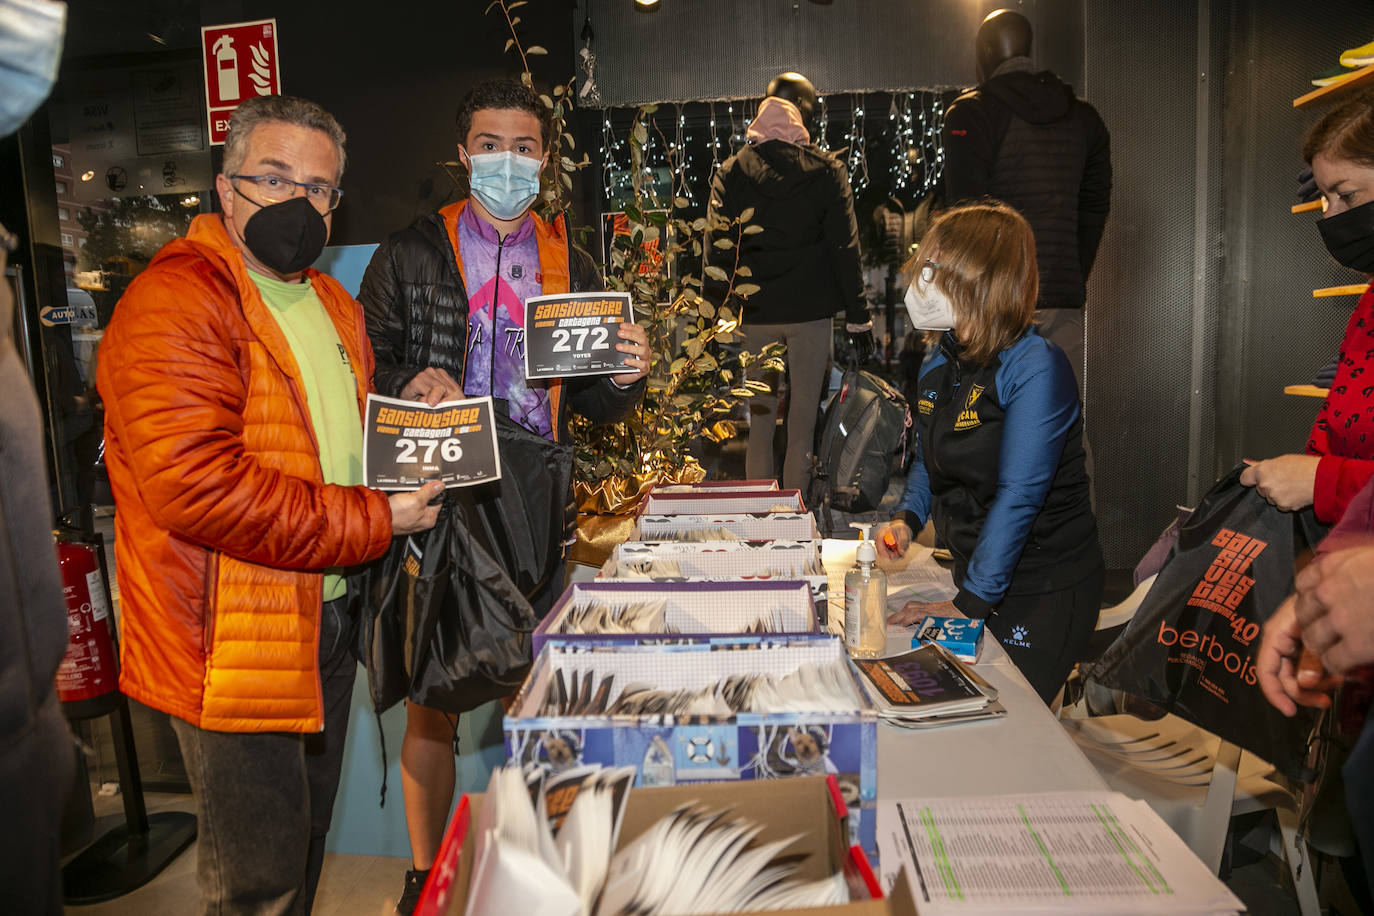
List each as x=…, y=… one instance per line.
x=673, y=749
x=720, y=561
x=636, y=611
x=803, y=809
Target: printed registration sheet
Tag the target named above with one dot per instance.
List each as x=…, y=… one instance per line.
x=1085, y=852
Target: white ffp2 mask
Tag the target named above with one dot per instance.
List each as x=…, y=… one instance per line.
x=930, y=309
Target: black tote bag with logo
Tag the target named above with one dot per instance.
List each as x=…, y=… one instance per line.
x=1191, y=646
x=442, y=624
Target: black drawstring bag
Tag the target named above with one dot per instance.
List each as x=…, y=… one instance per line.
x=522, y=519
x=442, y=623
x=445, y=619
x=1191, y=646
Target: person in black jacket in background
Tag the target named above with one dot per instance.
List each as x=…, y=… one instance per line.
x=1023, y=138
x=805, y=263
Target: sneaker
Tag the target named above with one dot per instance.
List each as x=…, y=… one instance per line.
x=1358, y=57
x=1327, y=77
x=410, y=897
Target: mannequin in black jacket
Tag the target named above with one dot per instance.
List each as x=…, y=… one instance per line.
x=805, y=263
x=1023, y=138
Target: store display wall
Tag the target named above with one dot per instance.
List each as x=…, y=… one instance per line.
x=1274, y=333
x=1200, y=304
x=716, y=49
x=1141, y=73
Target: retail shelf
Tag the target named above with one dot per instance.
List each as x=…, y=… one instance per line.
x=1359, y=77
x=1309, y=207
x=1355, y=289
x=1305, y=391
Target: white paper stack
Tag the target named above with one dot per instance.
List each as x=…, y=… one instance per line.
x=697, y=860
x=1056, y=852
x=521, y=866
x=701, y=502
x=927, y=686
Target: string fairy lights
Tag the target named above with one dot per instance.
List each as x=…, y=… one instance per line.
x=857, y=161
x=892, y=143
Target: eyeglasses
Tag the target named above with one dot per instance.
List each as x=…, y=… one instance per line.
x=928, y=271
x=275, y=189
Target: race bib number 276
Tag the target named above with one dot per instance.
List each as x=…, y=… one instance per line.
x=406, y=443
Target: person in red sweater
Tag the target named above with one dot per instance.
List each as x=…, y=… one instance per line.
x=1339, y=459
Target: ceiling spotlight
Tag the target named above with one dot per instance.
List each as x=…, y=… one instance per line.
x=190, y=200
x=646, y=4
x=87, y=175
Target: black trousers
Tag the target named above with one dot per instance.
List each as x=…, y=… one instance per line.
x=35, y=775
x=1046, y=634
x=265, y=799
x=1358, y=773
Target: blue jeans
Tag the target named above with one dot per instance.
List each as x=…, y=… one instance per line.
x=264, y=800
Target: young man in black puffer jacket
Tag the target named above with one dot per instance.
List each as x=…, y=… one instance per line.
x=444, y=304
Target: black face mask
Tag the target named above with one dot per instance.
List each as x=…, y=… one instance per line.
x=1349, y=236
x=287, y=237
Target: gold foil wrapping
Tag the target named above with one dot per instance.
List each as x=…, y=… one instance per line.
x=605, y=510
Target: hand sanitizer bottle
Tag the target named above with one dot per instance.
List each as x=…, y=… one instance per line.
x=865, y=601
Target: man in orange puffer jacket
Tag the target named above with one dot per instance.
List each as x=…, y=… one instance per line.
x=233, y=379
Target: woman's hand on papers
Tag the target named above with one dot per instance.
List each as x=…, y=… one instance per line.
x=913, y=612
x=634, y=343
x=433, y=386
x=892, y=539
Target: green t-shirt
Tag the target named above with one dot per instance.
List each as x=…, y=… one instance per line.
x=330, y=386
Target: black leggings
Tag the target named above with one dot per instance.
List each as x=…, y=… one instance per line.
x=1048, y=633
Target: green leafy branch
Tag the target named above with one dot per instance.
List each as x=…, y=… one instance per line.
x=694, y=386
x=557, y=176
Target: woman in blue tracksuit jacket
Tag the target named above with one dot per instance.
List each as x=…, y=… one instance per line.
x=999, y=449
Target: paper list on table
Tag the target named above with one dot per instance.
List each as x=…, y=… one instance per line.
x=1083, y=850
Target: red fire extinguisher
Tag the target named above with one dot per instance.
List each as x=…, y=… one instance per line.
x=88, y=678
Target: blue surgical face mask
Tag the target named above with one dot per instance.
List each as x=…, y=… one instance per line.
x=30, y=50
x=506, y=183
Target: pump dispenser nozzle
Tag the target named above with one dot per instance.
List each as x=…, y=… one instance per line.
x=865, y=600
x=868, y=551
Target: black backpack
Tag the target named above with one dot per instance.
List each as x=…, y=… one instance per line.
x=863, y=432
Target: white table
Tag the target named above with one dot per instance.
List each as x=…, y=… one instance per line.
x=1028, y=751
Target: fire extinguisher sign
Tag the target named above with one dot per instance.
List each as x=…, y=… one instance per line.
x=240, y=62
